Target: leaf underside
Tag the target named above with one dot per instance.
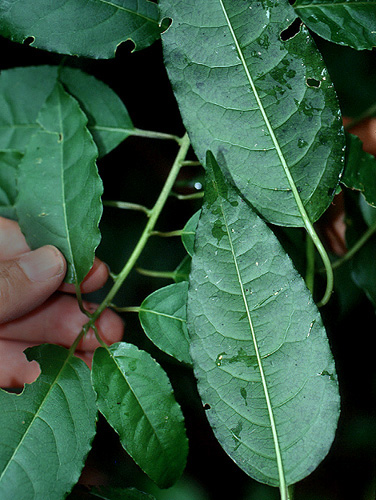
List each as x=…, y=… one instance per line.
x=266, y=107
x=258, y=346
x=59, y=189
x=135, y=396
x=46, y=431
x=88, y=28
x=346, y=22
x=8, y=188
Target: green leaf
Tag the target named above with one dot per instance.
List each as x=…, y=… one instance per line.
x=181, y=273
x=88, y=28
x=346, y=22
x=188, y=234
x=266, y=107
x=8, y=178
x=163, y=318
x=59, y=188
x=46, y=431
x=135, y=396
x=23, y=92
x=360, y=169
x=258, y=345
x=108, y=118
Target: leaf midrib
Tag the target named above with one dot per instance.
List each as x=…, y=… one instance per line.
x=52, y=386
x=129, y=11
x=333, y=5
x=275, y=141
x=277, y=446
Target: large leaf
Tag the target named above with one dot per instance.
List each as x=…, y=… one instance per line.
x=23, y=91
x=360, y=169
x=8, y=188
x=90, y=28
x=347, y=22
x=46, y=431
x=267, y=107
x=163, y=317
x=135, y=396
x=59, y=188
x=258, y=345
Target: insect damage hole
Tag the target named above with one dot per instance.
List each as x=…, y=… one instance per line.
x=291, y=30
x=313, y=82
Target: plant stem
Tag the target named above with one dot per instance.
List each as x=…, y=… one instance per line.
x=358, y=245
x=155, y=135
x=193, y=196
x=127, y=206
x=156, y=274
x=310, y=271
x=167, y=234
x=154, y=214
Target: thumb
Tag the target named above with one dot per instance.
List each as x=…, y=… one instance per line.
x=28, y=280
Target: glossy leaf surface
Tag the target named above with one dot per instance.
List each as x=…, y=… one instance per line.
x=164, y=319
x=135, y=396
x=89, y=28
x=46, y=431
x=8, y=188
x=59, y=189
x=23, y=91
x=360, y=170
x=265, y=106
x=347, y=22
x=258, y=345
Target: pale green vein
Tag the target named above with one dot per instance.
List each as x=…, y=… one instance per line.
x=307, y=223
x=281, y=474
x=164, y=315
x=129, y=11
x=51, y=387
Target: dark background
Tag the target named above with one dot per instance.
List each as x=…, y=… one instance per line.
x=135, y=172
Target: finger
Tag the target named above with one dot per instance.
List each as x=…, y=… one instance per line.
x=12, y=241
x=94, y=280
x=28, y=280
x=59, y=321
x=16, y=370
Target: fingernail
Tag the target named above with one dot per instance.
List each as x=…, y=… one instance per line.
x=42, y=264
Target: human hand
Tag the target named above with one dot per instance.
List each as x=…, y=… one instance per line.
x=32, y=313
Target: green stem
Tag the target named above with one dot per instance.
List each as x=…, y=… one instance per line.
x=358, y=245
x=134, y=309
x=155, y=135
x=167, y=234
x=127, y=206
x=156, y=274
x=310, y=270
x=154, y=214
x=193, y=196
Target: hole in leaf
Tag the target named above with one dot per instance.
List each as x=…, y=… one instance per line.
x=207, y=406
x=291, y=31
x=125, y=48
x=312, y=82
x=165, y=24
x=29, y=40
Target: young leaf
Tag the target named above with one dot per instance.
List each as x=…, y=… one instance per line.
x=23, y=91
x=135, y=396
x=163, y=318
x=360, y=169
x=266, y=106
x=8, y=189
x=46, y=431
x=93, y=28
x=258, y=345
x=189, y=231
x=59, y=188
x=346, y=22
